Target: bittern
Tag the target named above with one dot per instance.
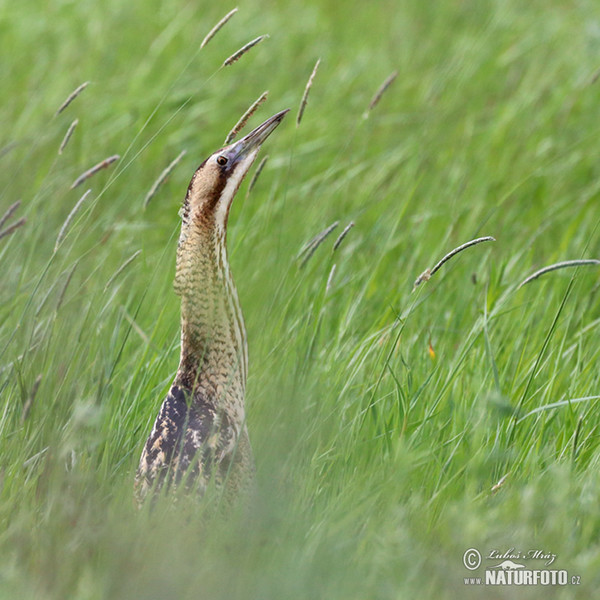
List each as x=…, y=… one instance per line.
x=200, y=432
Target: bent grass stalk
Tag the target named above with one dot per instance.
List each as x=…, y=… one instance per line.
x=428, y=273
x=560, y=265
x=559, y=404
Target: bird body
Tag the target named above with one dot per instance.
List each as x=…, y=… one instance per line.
x=200, y=432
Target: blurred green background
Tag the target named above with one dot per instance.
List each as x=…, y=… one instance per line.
x=380, y=418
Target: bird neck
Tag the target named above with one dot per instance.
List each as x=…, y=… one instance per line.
x=213, y=337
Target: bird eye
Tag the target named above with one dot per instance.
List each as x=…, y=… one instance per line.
x=221, y=160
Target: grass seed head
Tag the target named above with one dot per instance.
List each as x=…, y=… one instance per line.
x=244, y=118
x=211, y=34
x=309, y=248
x=304, y=100
x=12, y=228
x=379, y=93
x=91, y=172
x=424, y=276
x=342, y=235
x=258, y=171
x=68, y=135
x=72, y=97
x=10, y=212
x=237, y=55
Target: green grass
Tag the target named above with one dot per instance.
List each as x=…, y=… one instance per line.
x=375, y=460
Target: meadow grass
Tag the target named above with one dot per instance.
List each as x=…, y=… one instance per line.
x=392, y=430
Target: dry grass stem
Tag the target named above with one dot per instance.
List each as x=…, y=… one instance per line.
x=9, y=213
x=576, y=438
x=30, y=399
x=258, y=171
x=68, y=135
x=379, y=93
x=309, y=248
x=91, y=172
x=342, y=235
x=12, y=228
x=122, y=268
x=304, y=100
x=72, y=97
x=428, y=273
x=559, y=265
x=330, y=279
x=237, y=55
x=162, y=178
x=67, y=282
x=500, y=483
x=211, y=34
x=244, y=118
x=424, y=276
x=65, y=226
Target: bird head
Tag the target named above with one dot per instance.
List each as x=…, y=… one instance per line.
x=216, y=181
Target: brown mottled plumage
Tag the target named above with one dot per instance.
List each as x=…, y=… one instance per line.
x=200, y=433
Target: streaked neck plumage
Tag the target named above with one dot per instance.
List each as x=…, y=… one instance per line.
x=214, y=354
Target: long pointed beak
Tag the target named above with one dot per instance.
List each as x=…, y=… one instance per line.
x=257, y=136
